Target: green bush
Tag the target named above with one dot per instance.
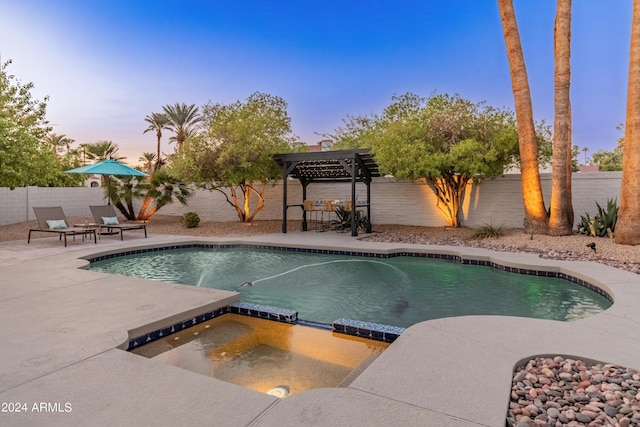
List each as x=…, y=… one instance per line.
x=487, y=231
x=603, y=224
x=190, y=220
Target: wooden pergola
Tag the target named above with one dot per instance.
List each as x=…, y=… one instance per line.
x=328, y=166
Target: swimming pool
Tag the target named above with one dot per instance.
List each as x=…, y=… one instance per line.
x=397, y=289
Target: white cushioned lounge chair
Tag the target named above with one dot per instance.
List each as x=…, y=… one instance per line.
x=106, y=218
x=53, y=220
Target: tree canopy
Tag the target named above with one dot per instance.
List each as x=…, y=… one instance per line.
x=610, y=160
x=26, y=156
x=445, y=139
x=235, y=147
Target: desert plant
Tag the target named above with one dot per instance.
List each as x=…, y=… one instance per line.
x=603, y=224
x=488, y=230
x=190, y=220
x=343, y=221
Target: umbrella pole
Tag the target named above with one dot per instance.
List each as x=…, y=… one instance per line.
x=108, y=189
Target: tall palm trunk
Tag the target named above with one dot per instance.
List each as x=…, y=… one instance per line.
x=159, y=136
x=561, y=215
x=628, y=226
x=535, y=214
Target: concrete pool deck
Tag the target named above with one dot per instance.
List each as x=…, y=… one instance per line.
x=61, y=326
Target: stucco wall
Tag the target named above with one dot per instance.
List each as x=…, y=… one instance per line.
x=16, y=205
x=497, y=201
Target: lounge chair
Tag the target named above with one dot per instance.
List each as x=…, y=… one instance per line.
x=53, y=220
x=106, y=218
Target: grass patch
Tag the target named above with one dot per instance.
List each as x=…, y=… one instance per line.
x=488, y=231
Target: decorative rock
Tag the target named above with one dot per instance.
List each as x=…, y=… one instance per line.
x=567, y=392
x=519, y=376
x=583, y=418
x=565, y=376
x=553, y=413
x=570, y=414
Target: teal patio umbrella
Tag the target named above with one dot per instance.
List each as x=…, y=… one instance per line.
x=108, y=167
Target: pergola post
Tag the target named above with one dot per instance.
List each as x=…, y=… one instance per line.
x=304, y=211
x=284, y=197
x=369, y=206
x=354, y=226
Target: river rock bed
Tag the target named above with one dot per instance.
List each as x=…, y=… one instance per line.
x=559, y=391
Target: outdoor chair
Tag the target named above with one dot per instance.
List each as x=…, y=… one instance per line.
x=312, y=208
x=106, y=218
x=53, y=220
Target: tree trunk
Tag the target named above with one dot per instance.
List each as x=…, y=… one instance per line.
x=450, y=191
x=158, y=159
x=243, y=210
x=260, y=205
x=236, y=204
x=535, y=214
x=627, y=230
x=561, y=215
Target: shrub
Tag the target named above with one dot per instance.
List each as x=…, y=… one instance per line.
x=190, y=220
x=488, y=230
x=343, y=223
x=603, y=224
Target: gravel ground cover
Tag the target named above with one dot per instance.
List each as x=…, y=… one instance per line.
x=568, y=392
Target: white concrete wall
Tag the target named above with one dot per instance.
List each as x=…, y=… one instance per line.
x=497, y=201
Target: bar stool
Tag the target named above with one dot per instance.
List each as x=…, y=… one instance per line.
x=328, y=206
x=311, y=207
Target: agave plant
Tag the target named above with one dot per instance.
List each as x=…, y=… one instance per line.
x=603, y=224
x=343, y=222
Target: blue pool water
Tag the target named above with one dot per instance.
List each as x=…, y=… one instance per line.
x=397, y=291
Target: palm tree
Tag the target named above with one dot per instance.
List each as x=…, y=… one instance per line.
x=535, y=214
x=585, y=150
x=157, y=122
x=147, y=159
x=561, y=209
x=182, y=119
x=59, y=142
x=162, y=189
x=628, y=226
x=102, y=150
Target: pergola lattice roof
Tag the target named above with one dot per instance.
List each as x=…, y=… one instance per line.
x=329, y=166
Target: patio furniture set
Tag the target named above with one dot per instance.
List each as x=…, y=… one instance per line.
x=53, y=220
x=316, y=209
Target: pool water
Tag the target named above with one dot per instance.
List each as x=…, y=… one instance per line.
x=264, y=355
x=396, y=291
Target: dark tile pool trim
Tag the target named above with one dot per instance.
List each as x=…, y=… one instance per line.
x=373, y=331
x=284, y=315
x=450, y=257
x=176, y=327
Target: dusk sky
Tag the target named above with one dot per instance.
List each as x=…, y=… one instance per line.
x=107, y=64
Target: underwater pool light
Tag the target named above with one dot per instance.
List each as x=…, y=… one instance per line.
x=280, y=391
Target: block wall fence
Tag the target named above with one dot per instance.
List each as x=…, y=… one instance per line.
x=493, y=201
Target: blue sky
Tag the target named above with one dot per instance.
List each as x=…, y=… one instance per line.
x=107, y=64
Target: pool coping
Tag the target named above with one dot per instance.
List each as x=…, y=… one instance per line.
x=454, y=371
